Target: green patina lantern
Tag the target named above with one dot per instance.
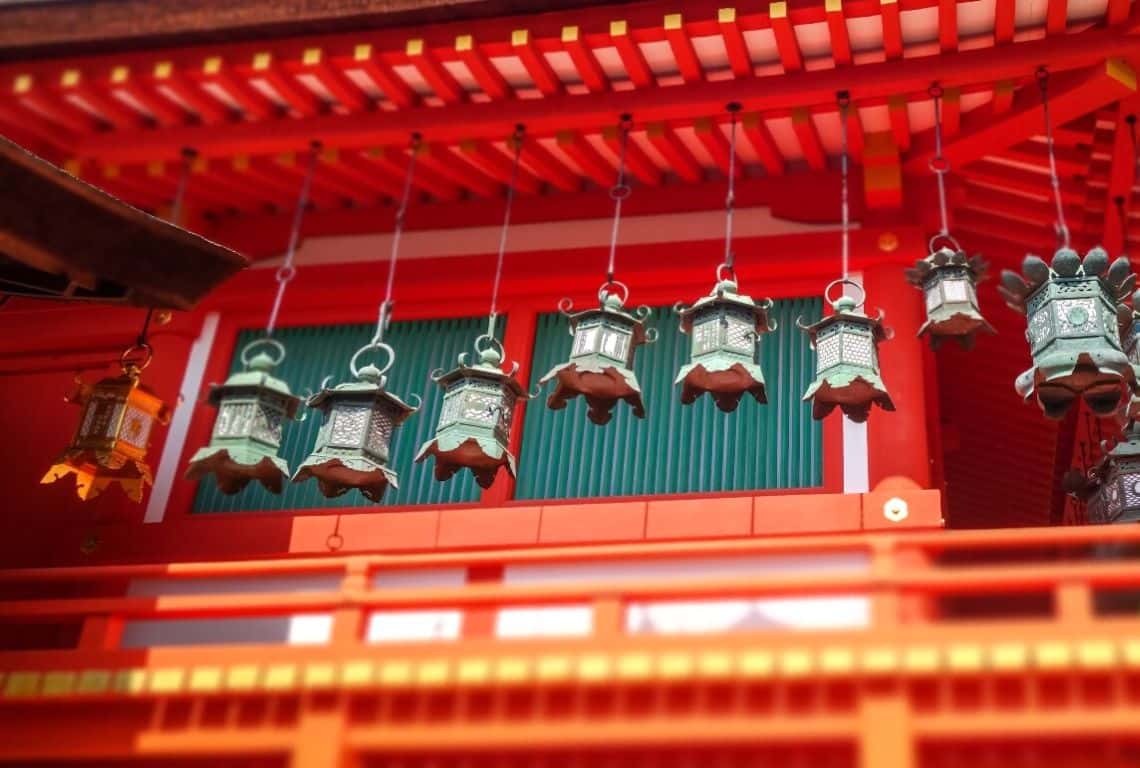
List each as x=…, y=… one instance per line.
x=948, y=280
x=725, y=329
x=846, y=345
x=479, y=402
x=600, y=368
x=1112, y=486
x=358, y=421
x=1073, y=330
x=253, y=406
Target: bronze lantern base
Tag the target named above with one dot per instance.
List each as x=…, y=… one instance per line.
x=960, y=326
x=335, y=478
x=602, y=388
x=472, y=454
x=1104, y=384
x=95, y=471
x=726, y=387
x=854, y=398
x=232, y=476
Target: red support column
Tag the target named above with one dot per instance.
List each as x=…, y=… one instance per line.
x=518, y=344
x=897, y=442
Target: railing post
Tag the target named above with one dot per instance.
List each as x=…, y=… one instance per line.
x=320, y=741
x=886, y=608
x=348, y=620
x=1073, y=602
x=885, y=732
x=100, y=633
x=607, y=616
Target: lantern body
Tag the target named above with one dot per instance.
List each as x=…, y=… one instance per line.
x=353, y=448
x=111, y=441
x=948, y=282
x=724, y=329
x=1073, y=333
x=600, y=368
x=1112, y=486
x=847, y=363
x=252, y=408
x=474, y=428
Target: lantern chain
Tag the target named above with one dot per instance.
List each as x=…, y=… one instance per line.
x=844, y=101
x=517, y=140
x=730, y=199
x=405, y=198
x=1054, y=179
x=287, y=271
x=939, y=164
x=619, y=191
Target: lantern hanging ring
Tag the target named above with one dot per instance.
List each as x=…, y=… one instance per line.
x=841, y=282
x=608, y=284
x=270, y=344
x=137, y=356
x=620, y=191
x=723, y=269
x=379, y=346
x=486, y=343
x=943, y=237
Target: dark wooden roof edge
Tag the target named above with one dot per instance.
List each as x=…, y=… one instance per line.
x=46, y=211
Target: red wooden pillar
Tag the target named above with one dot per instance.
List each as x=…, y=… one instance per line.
x=897, y=442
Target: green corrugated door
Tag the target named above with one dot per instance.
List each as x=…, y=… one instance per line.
x=317, y=351
x=676, y=448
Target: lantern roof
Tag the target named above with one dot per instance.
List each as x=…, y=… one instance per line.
x=726, y=293
x=611, y=305
x=487, y=370
x=846, y=310
x=943, y=258
x=60, y=237
x=369, y=385
x=1117, y=278
x=257, y=377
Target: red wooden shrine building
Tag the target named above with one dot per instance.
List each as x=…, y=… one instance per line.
x=752, y=588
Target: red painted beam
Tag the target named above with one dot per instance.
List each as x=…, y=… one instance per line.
x=347, y=93
x=900, y=122
x=892, y=28
x=442, y=83
x=682, y=47
x=588, y=159
x=676, y=103
x=275, y=186
x=497, y=165
x=808, y=136
x=394, y=163
x=321, y=194
x=1117, y=11
x=348, y=176
x=380, y=72
x=40, y=101
x=636, y=161
x=631, y=57
x=301, y=101
x=837, y=28
x=951, y=112
x=450, y=167
x=540, y=71
x=948, y=25
x=680, y=160
x=123, y=85
x=23, y=127
x=1071, y=95
x=1004, y=20
x=1070, y=162
x=216, y=76
x=168, y=80
x=854, y=133
x=1015, y=181
x=583, y=57
x=490, y=80
x=111, y=110
x=1121, y=175
x=1056, y=17
x=549, y=168
x=734, y=46
x=713, y=140
x=1003, y=97
x=755, y=129
x=786, y=43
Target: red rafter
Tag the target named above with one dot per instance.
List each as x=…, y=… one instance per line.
x=548, y=167
x=161, y=109
x=395, y=163
x=18, y=123
x=892, y=28
x=27, y=92
x=208, y=109
x=583, y=57
x=900, y=122
x=630, y=54
x=1003, y=97
x=1117, y=11
x=346, y=92
x=346, y=175
x=262, y=174
x=636, y=161
x=806, y=132
x=449, y=166
x=683, y=52
x=110, y=109
x=786, y=43
x=490, y=80
x=951, y=112
x=252, y=103
x=1056, y=17
x=544, y=78
x=588, y=159
x=737, y=50
x=496, y=165
x=323, y=192
x=1122, y=174
x=948, y=25
x=301, y=100
x=378, y=71
x=711, y=136
x=1005, y=12
x=446, y=87
x=837, y=27
x=756, y=130
x=675, y=153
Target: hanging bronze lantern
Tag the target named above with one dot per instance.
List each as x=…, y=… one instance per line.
x=1073, y=330
x=846, y=345
x=474, y=428
x=1112, y=486
x=253, y=406
x=725, y=329
x=359, y=419
x=948, y=280
x=114, y=431
x=601, y=356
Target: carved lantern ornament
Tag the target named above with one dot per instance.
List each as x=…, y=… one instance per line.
x=725, y=329
x=1112, y=486
x=253, y=406
x=846, y=345
x=474, y=427
x=358, y=420
x=1073, y=332
x=948, y=280
x=600, y=368
x=114, y=431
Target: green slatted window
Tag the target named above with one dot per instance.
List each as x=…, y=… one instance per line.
x=676, y=448
x=318, y=351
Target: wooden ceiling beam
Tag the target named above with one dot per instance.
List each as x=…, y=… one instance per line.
x=755, y=129
x=682, y=47
x=739, y=59
x=676, y=154
x=578, y=149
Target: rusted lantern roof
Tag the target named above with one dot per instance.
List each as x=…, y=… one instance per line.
x=63, y=238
